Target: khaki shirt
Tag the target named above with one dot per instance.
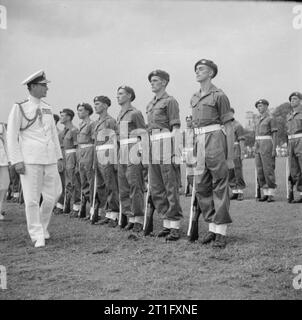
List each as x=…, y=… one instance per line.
x=266, y=125
x=211, y=108
x=101, y=134
x=85, y=133
x=163, y=113
x=70, y=138
x=294, y=121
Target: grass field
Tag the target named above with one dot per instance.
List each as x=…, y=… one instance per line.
x=82, y=261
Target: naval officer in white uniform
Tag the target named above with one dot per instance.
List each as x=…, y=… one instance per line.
x=34, y=150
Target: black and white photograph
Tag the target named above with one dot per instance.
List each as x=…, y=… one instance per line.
x=150, y=151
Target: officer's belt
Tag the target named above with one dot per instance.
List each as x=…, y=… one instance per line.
x=161, y=135
x=294, y=136
x=207, y=129
x=127, y=141
x=104, y=147
x=263, y=137
x=70, y=151
x=83, y=146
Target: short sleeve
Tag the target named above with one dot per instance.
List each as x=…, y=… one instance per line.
x=138, y=119
x=173, y=112
x=224, y=108
x=273, y=124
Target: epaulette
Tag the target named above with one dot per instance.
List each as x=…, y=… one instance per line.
x=22, y=102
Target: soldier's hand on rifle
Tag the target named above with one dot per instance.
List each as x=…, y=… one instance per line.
x=20, y=167
x=230, y=163
x=60, y=165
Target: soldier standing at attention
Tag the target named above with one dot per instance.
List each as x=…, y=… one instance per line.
x=86, y=156
x=72, y=183
x=163, y=119
x=34, y=150
x=265, y=151
x=214, y=134
x=294, y=132
x=130, y=175
x=107, y=181
x=236, y=180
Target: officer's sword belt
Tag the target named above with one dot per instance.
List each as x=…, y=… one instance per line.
x=294, y=136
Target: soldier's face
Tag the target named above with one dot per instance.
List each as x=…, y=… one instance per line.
x=261, y=108
x=203, y=73
x=82, y=113
x=295, y=101
x=39, y=90
x=99, y=107
x=157, y=83
x=63, y=117
x=123, y=96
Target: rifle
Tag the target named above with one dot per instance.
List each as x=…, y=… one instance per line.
x=194, y=216
x=289, y=183
x=149, y=211
x=93, y=212
x=257, y=187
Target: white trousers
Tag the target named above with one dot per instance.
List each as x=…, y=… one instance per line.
x=40, y=179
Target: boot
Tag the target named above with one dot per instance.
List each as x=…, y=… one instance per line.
x=112, y=223
x=95, y=216
x=264, y=198
x=174, y=235
x=270, y=199
x=220, y=241
x=138, y=227
x=240, y=197
x=163, y=233
x=129, y=226
x=208, y=237
x=234, y=196
x=298, y=200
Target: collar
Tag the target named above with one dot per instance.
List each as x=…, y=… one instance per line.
x=34, y=100
x=122, y=113
x=211, y=89
x=162, y=96
x=297, y=110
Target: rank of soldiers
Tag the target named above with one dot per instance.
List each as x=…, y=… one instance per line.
x=118, y=172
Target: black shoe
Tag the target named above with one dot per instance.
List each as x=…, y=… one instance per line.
x=220, y=241
x=208, y=237
x=264, y=198
x=174, y=235
x=164, y=233
x=58, y=211
x=298, y=200
x=129, y=226
x=104, y=221
x=240, y=197
x=270, y=199
x=95, y=217
x=138, y=227
x=234, y=196
x=112, y=223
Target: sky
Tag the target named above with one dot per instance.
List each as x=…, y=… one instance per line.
x=90, y=48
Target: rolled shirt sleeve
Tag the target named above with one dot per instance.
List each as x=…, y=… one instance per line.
x=273, y=125
x=138, y=119
x=224, y=108
x=173, y=112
